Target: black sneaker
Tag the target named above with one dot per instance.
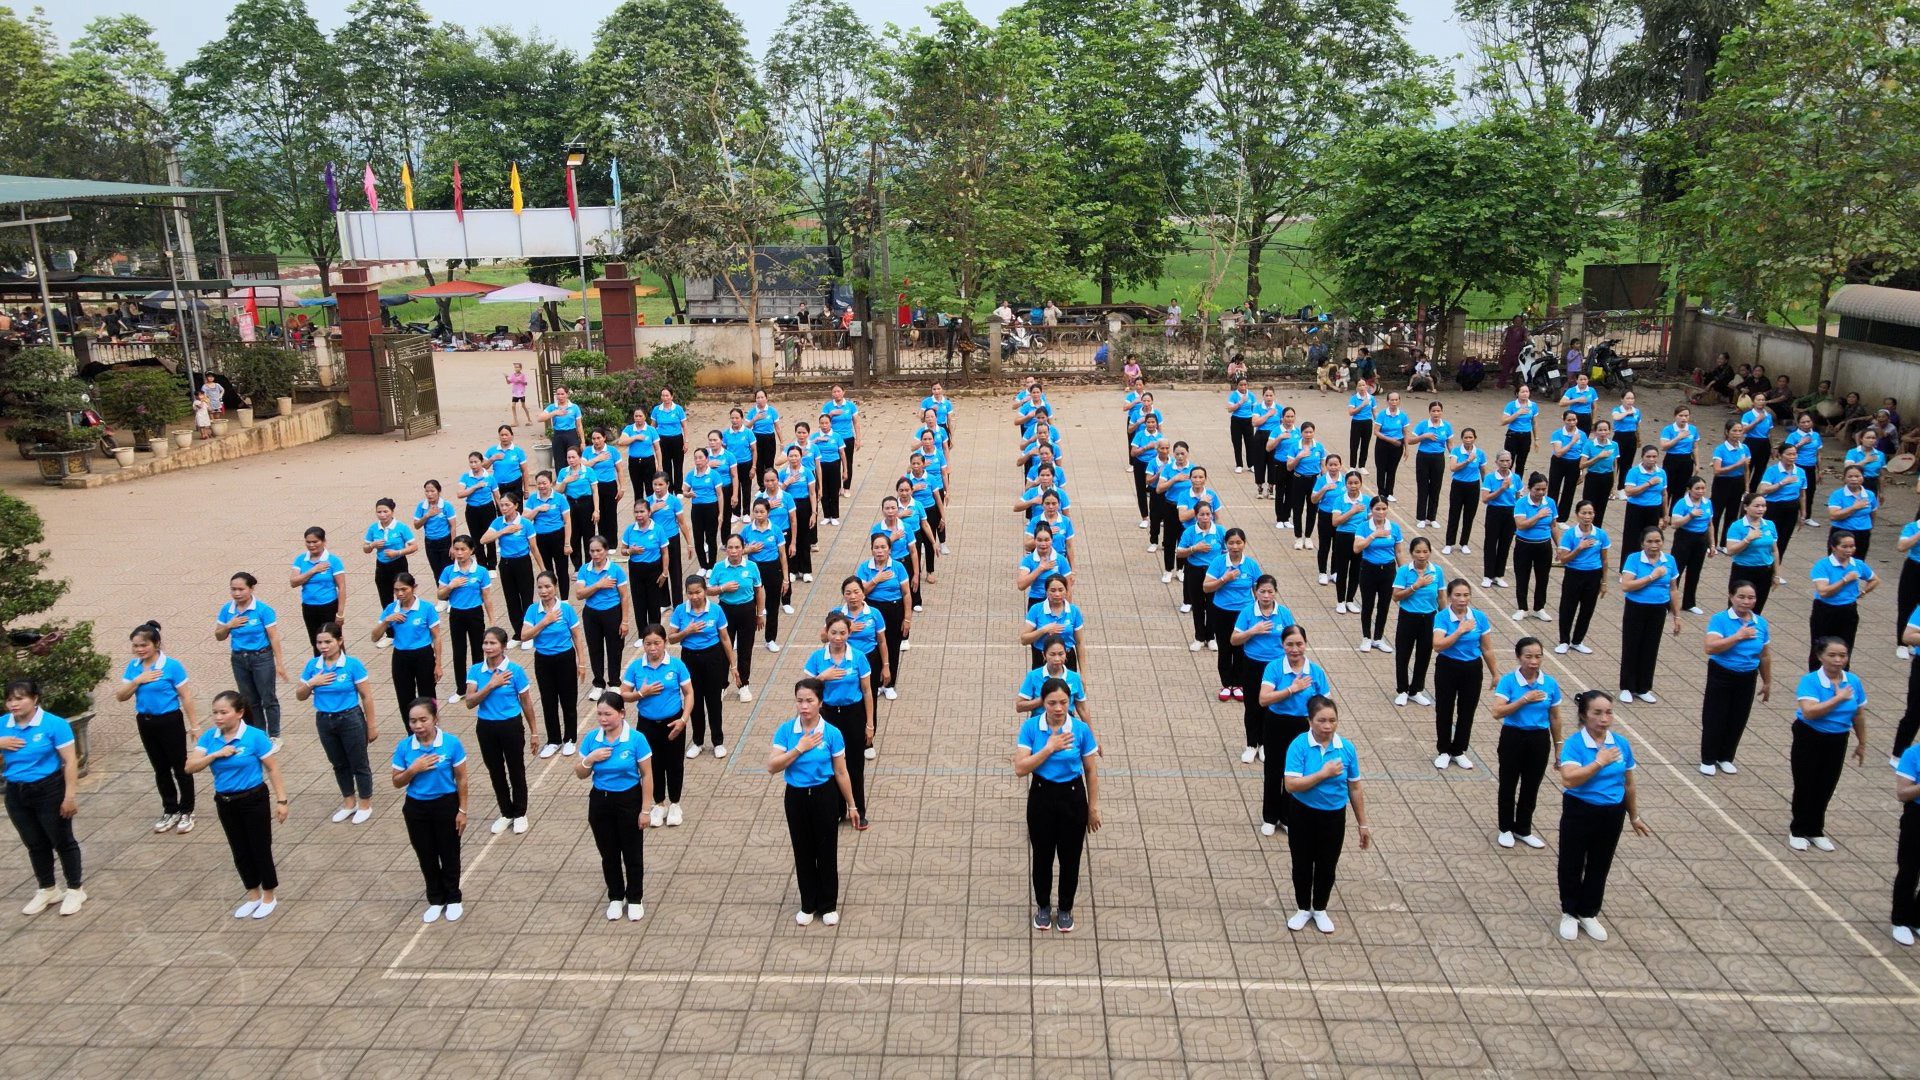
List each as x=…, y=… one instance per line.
x=1063, y=921
x=1042, y=919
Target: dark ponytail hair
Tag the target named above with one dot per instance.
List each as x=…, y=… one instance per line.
x=149, y=630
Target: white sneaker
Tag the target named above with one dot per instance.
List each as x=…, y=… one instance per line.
x=674, y=817
x=1520, y=616
x=1392, y=499
x=1151, y=548
x=1196, y=645
x=454, y=699
x=1400, y=700
x=1594, y=929
x=1729, y=768
x=720, y=750
x=1441, y=761
x=1266, y=828
x=1462, y=761
x=1446, y=549
x=1707, y=768
x=1247, y=755
x=1263, y=753
x=1903, y=935
x=889, y=693
x=185, y=824
x=383, y=643
x=45, y=897
x=804, y=918
x=636, y=912
x=659, y=815
x=1649, y=698
x=596, y=694
x=786, y=609
x=1167, y=577
x=1696, y=610
x=1533, y=841
x=831, y=918
x=526, y=646
x=806, y=577
x=869, y=753
x=1542, y=615
x=615, y=909
x=1300, y=920
x=1486, y=583
x=342, y=814
x=519, y=825
x=637, y=643
x=1366, y=645
x=1466, y=549
x=943, y=551
x=1420, y=698
x=1626, y=697
x=1213, y=644
x=1143, y=523
x=1903, y=653
x=1821, y=843
x=432, y=914
x=442, y=606
x=1582, y=647
x=265, y=908
x=1797, y=843
x=72, y=901
x=1560, y=649
x=549, y=750
x=1325, y=580
x=1323, y=922
x=168, y=821
x=1237, y=470
x=1505, y=839
x=746, y=693
x=1298, y=544
x=499, y=825
x=773, y=646
x=361, y=816
x=1501, y=583
x=1569, y=928
x=1186, y=609
x=455, y=911
x=568, y=748
x=1381, y=644
x=906, y=645
x=693, y=750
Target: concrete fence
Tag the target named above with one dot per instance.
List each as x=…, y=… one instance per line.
x=1875, y=371
x=730, y=344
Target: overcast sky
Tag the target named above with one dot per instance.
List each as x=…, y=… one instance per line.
x=183, y=27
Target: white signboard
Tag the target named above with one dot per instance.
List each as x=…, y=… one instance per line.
x=371, y=236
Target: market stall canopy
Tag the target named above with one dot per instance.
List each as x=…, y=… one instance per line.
x=166, y=301
x=454, y=288
x=24, y=190
x=391, y=301
x=527, y=292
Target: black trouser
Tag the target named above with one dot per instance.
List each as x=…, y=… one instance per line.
x=830, y=490
x=478, y=518
x=895, y=612
x=723, y=522
x=1785, y=516
x=1164, y=529
x=936, y=520
x=316, y=616
x=553, y=557
x=465, y=626
x=1346, y=568
x=1228, y=661
x=1908, y=597
x=650, y=597
x=1140, y=492
x=706, y=533
x=556, y=674
x=1638, y=520
x=1724, y=710
x=708, y=667
x=1262, y=464
x=1456, y=697
x=1519, y=444
x=602, y=629
x=1523, y=756
x=582, y=511
x=1909, y=720
x=1493, y=562
x=915, y=574
x=436, y=843
x=516, y=487
x=1760, y=454
x=805, y=536
x=673, y=460
x=1906, y=878
x=1760, y=577
x=558, y=445
x=1376, y=595
x=412, y=675
x=503, y=749
x=164, y=737
x=846, y=464
x=1282, y=479
x=740, y=629
x=1589, y=833
x=614, y=817
x=1463, y=502
x=1300, y=504
x=1726, y=493
x=1816, y=761
x=1579, y=592
x=1248, y=673
x=743, y=487
x=1530, y=561
x=774, y=584
x=1193, y=593
x=1629, y=455
x=1831, y=620
x=640, y=474
x=1412, y=643
x=1809, y=488
x=1057, y=829
x=383, y=575
x=1595, y=490
x=439, y=555
x=1387, y=458
x=1240, y=434
x=1315, y=840
x=1640, y=626
x=813, y=815
x=1359, y=443
x=765, y=455
x=1278, y=807
x=1427, y=471
x=247, y=819
x=669, y=759
x=34, y=807
x=516, y=584
x=1563, y=475
x=851, y=720
x=1679, y=470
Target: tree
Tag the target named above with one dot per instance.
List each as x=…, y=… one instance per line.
x=1802, y=165
x=384, y=47
x=63, y=661
x=1122, y=101
x=819, y=82
x=259, y=108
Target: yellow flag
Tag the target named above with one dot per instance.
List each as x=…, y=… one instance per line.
x=406, y=184
x=513, y=182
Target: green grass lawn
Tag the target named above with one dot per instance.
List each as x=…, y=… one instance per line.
x=469, y=314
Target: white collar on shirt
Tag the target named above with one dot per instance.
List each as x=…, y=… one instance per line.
x=32, y=721
x=1335, y=742
x=467, y=567
x=1539, y=680
x=1588, y=738
x=1829, y=684
x=502, y=666
x=315, y=560
x=239, y=610
x=439, y=736
x=798, y=729
x=1306, y=666
x=626, y=730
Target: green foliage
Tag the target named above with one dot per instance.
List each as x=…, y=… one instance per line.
x=607, y=400
x=71, y=667
x=261, y=373
x=820, y=84
x=495, y=98
x=143, y=399
x=38, y=393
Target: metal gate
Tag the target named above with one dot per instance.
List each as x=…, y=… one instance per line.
x=403, y=371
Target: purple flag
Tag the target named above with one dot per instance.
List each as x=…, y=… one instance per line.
x=333, y=191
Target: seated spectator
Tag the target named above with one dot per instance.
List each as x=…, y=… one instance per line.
x=1421, y=380
x=1715, y=384
x=1470, y=373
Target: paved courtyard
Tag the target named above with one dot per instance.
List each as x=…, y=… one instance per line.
x=1731, y=955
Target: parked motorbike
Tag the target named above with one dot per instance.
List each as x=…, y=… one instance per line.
x=1607, y=368
x=1538, y=370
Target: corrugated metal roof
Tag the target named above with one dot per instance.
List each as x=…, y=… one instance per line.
x=21, y=190
x=1880, y=303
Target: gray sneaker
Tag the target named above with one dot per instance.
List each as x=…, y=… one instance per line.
x=1063, y=921
x=1042, y=918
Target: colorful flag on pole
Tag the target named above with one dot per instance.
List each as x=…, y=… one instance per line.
x=459, y=208
x=333, y=191
x=616, y=181
x=513, y=184
x=249, y=317
x=406, y=184
x=373, y=193
x=573, y=202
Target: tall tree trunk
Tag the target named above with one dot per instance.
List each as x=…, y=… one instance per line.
x=1106, y=285
x=1820, y=335
x=1256, y=247
x=427, y=269
x=673, y=296
x=325, y=266
x=1553, y=287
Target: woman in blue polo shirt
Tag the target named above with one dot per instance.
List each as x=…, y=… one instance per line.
x=1240, y=403
x=1626, y=428
x=1908, y=596
x=1731, y=461
x=163, y=711
x=252, y=629
x=431, y=765
x=1322, y=777
x=501, y=696
x=1596, y=768
x=1534, y=531
x=564, y=416
x=433, y=517
x=1459, y=637
x=739, y=441
x=1330, y=500
x=509, y=463
x=669, y=422
x=1582, y=550
x=466, y=587
x=844, y=414
x=1566, y=447
x=884, y=578
x=1526, y=701
x=1255, y=637
x=1026, y=699
x=1390, y=444
x=343, y=715
x=412, y=624
x=1465, y=463
x=703, y=488
x=642, y=441
x=1287, y=688
x=1780, y=486
x=661, y=687
x=547, y=508
x=1651, y=599
x=1058, y=751
x=1579, y=400
x=847, y=701
x=1056, y=615
x=559, y=663
x=1869, y=457
x=1676, y=442
x=699, y=626
x=605, y=463
x=765, y=422
x=1518, y=416
x=513, y=535
x=722, y=463
x=475, y=489
x=1851, y=508
x=321, y=577
x=735, y=583
x=1433, y=437
x=601, y=587
x=1043, y=562
x=1739, y=664
x=827, y=453
x=1304, y=466
x=812, y=756
x=616, y=757
x=1839, y=581
x=1500, y=487
x=1830, y=698
x=1803, y=444
x=1201, y=540
x=1756, y=426
x=1600, y=459
x=1690, y=518
x=1360, y=412
x=642, y=545
x=1645, y=487
x=799, y=477
x=42, y=774
x=670, y=518
x=244, y=769
x=1230, y=580
x=1906, y=878
x=1376, y=547
x=1416, y=589
x=1752, y=541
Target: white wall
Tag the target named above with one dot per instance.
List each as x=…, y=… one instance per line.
x=1875, y=371
x=730, y=344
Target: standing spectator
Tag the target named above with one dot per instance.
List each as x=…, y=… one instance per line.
x=1511, y=342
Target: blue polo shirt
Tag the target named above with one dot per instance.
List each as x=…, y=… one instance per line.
x=643, y=436
x=565, y=417
x=1686, y=437
x=604, y=464
x=813, y=767
x=1306, y=757
x=1174, y=476
x=1759, y=422
x=549, y=512
x=1870, y=464
x=666, y=515
x=864, y=630
x=162, y=695
x=1433, y=436
x=706, y=484
x=1652, y=496
x=1580, y=402
x=744, y=578
x=942, y=407
x=658, y=686
x=1471, y=462
x=1192, y=536
x=764, y=421
x=1380, y=549
x=826, y=446
x=243, y=770
x=1602, y=456
x=739, y=444
x=1278, y=676
x=1592, y=558
x=1859, y=520
x=1070, y=617
x=435, y=782
x=1241, y=404
x=1211, y=497
x=643, y=545
x=320, y=589
x=1068, y=764
x=481, y=488
x=844, y=689
x=1814, y=687
x=1738, y=456
x=1391, y=424
x=343, y=692
x=45, y=734
x=252, y=634
x=1031, y=560
x=1608, y=784
x=471, y=595
x=1308, y=460
x=1908, y=767
x=1365, y=403
x=558, y=637
x=1076, y=688
x=436, y=525
x=1568, y=444
x=888, y=590
x=508, y=463
x=1542, y=528
x=706, y=625
x=900, y=544
x=1532, y=716
x=842, y=414
x=1263, y=648
x=1519, y=417
x=771, y=540
x=1787, y=477
x=602, y=599
x=797, y=482
x=1829, y=569
x=1806, y=446
x=1423, y=600
x=1906, y=531
x=621, y=770
x=1626, y=421
x=504, y=702
x=926, y=486
x=1761, y=538
x=575, y=483
x=669, y=419
x=1237, y=593
x=515, y=544
x=1654, y=592
x=1506, y=489
x=1469, y=647
x=1741, y=656
x=416, y=632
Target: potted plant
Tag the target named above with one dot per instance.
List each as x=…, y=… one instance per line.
x=65, y=453
x=39, y=394
x=60, y=657
x=144, y=401
x=261, y=373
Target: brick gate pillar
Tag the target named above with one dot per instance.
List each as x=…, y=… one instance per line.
x=616, y=317
x=359, y=317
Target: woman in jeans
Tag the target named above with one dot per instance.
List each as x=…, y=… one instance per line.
x=253, y=630
x=343, y=713
x=466, y=587
x=163, y=708
x=432, y=767
x=601, y=585
x=42, y=774
x=501, y=696
x=249, y=796
x=559, y=663
x=1526, y=701
x=321, y=577
x=699, y=627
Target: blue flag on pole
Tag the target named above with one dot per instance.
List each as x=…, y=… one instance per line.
x=616, y=181
x=333, y=191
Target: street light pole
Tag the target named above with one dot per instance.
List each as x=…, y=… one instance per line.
x=576, y=157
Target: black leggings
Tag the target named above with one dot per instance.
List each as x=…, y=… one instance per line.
x=582, y=513
x=516, y=584
x=34, y=807
x=1640, y=626
x=1563, y=475
x=1530, y=561
x=649, y=596
x=503, y=749
x=1057, y=829
x=465, y=626
x=1809, y=488
x=164, y=737
x=1831, y=620
x=553, y=560
x=1579, y=592
x=614, y=818
x=1589, y=834
x=1300, y=504
x=1523, y=756
x=1427, y=471
x=669, y=759
x=601, y=626
x=1240, y=434
x=1519, y=444
x=1726, y=493
x=740, y=630
x=1785, y=516
x=557, y=677
x=894, y=612
x=1412, y=643
x=851, y=721
x=1315, y=841
x=1759, y=455
x=412, y=675
x=1463, y=502
x=706, y=533
x=1277, y=805
x=1597, y=487
x=773, y=585
x=1376, y=595
x=1493, y=557
x=1724, y=711
x=436, y=844
x=1690, y=551
x=1359, y=443
x=673, y=460
x=1456, y=697
x=1638, y=520
x=640, y=474
x=1346, y=568
x=383, y=575
x=1193, y=594
x=708, y=667
x=1816, y=761
x=1387, y=459
x=830, y=490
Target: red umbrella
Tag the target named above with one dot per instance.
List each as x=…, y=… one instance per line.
x=455, y=288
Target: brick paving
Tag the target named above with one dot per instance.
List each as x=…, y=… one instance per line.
x=1731, y=955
